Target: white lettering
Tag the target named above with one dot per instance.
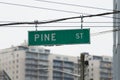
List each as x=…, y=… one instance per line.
x=41, y=37
x=53, y=37
x=46, y=37
x=36, y=37
x=79, y=35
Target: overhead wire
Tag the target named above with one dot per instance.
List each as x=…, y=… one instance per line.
x=62, y=19
x=78, y=6
x=29, y=6
x=74, y=5
x=22, y=5
x=85, y=26
x=104, y=32
x=69, y=22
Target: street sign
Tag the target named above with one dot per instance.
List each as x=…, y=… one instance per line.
x=59, y=37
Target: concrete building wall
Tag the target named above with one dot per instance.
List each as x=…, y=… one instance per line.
x=12, y=61
x=64, y=71
x=36, y=63
x=100, y=67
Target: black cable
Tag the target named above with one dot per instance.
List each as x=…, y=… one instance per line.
x=62, y=19
x=68, y=22
x=85, y=26
x=50, y=9
x=74, y=5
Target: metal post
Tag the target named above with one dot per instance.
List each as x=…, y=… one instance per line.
x=79, y=64
x=82, y=66
x=116, y=43
x=36, y=22
x=82, y=22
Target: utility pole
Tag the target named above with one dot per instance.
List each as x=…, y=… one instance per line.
x=116, y=41
x=82, y=67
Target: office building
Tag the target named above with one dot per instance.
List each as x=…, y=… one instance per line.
x=100, y=67
x=35, y=63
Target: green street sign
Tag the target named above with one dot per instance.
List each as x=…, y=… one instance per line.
x=59, y=37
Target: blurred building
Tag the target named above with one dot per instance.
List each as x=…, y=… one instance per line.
x=35, y=63
x=100, y=67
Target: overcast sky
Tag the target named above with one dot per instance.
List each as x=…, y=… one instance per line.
x=30, y=10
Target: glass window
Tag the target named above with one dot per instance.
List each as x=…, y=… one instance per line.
x=17, y=66
x=13, y=61
x=45, y=57
x=47, y=51
x=16, y=77
x=17, y=71
x=57, y=57
x=57, y=63
x=92, y=69
x=17, y=60
x=32, y=49
x=92, y=74
x=65, y=58
x=13, y=72
x=41, y=50
x=92, y=64
x=17, y=55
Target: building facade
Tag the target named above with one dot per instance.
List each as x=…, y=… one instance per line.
x=35, y=63
x=100, y=67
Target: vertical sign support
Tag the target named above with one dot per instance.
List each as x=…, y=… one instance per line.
x=82, y=22
x=36, y=22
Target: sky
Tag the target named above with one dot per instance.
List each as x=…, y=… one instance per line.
x=43, y=10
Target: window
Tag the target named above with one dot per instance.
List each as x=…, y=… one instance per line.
x=17, y=55
x=17, y=60
x=33, y=50
x=13, y=78
x=16, y=77
x=41, y=50
x=44, y=57
x=57, y=63
x=92, y=64
x=88, y=70
x=47, y=51
x=9, y=62
x=92, y=74
x=106, y=59
x=90, y=59
x=92, y=69
x=13, y=72
x=13, y=61
x=65, y=58
x=57, y=57
x=17, y=71
x=17, y=66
